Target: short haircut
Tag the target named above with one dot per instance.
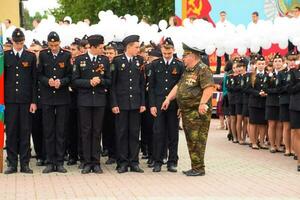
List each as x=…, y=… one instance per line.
x=255, y=13
x=37, y=20
x=9, y=21
x=223, y=12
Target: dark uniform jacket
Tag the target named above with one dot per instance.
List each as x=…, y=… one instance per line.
x=128, y=83
x=59, y=68
x=83, y=71
x=293, y=79
x=272, y=90
x=244, y=85
x=162, y=79
x=255, y=100
x=20, y=77
x=284, y=97
x=231, y=84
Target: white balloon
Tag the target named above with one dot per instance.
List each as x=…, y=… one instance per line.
x=254, y=48
x=210, y=49
x=101, y=14
x=163, y=24
x=283, y=44
x=220, y=52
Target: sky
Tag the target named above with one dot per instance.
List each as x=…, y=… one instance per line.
x=39, y=5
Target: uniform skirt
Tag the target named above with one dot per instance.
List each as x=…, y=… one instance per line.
x=232, y=109
x=245, y=110
x=238, y=109
x=284, y=113
x=225, y=106
x=295, y=119
x=272, y=113
x=257, y=116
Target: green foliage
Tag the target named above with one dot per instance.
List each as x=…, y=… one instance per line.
x=78, y=10
x=28, y=19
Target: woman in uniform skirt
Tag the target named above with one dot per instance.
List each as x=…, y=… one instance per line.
x=241, y=125
x=257, y=101
x=294, y=91
x=225, y=103
x=272, y=104
x=284, y=101
x=232, y=97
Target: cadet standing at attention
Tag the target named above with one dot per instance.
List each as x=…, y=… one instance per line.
x=193, y=94
x=55, y=73
x=20, y=100
x=128, y=102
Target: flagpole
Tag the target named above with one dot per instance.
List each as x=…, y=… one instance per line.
x=1, y=99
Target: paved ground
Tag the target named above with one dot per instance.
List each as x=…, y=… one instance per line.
x=233, y=172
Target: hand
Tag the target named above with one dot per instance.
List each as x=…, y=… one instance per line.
x=153, y=111
x=262, y=93
x=51, y=82
x=202, y=109
x=57, y=83
x=116, y=110
x=97, y=80
x=142, y=109
x=165, y=104
x=32, y=108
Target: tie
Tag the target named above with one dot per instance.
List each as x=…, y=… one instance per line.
x=94, y=59
x=18, y=56
x=167, y=63
x=130, y=60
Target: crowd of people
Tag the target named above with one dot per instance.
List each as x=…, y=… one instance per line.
x=261, y=102
x=69, y=98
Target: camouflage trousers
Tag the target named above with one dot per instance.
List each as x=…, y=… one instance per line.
x=196, y=128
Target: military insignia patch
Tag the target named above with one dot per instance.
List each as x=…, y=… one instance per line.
x=25, y=64
x=149, y=73
x=174, y=71
x=100, y=69
x=288, y=78
x=61, y=65
x=265, y=79
x=247, y=80
x=74, y=68
x=82, y=64
x=277, y=82
x=242, y=82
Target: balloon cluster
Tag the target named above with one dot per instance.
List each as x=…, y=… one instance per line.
x=199, y=33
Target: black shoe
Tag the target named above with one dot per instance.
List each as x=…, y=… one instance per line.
x=81, y=165
x=97, y=169
x=187, y=171
x=172, y=168
x=136, y=168
x=86, y=169
x=10, y=170
x=25, y=169
x=195, y=173
x=104, y=153
x=229, y=136
x=61, y=169
x=48, y=169
x=71, y=162
x=298, y=168
x=157, y=168
x=110, y=161
x=39, y=162
x=122, y=169
x=295, y=157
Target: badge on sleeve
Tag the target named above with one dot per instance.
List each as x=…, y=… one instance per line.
x=82, y=63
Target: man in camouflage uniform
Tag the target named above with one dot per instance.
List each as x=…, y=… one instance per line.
x=193, y=94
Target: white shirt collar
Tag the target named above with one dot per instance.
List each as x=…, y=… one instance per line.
x=169, y=62
x=128, y=58
x=91, y=56
x=20, y=52
x=258, y=72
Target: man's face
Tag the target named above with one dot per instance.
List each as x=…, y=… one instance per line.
x=167, y=52
x=254, y=18
x=54, y=47
x=6, y=23
x=223, y=17
x=188, y=59
x=261, y=65
x=277, y=63
x=99, y=50
x=18, y=45
x=133, y=48
x=110, y=53
x=74, y=51
x=84, y=49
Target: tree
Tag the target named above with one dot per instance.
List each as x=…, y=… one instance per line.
x=78, y=10
x=28, y=19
